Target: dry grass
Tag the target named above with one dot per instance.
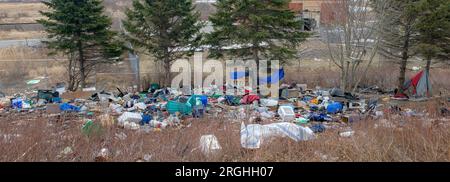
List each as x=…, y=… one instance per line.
x=20, y=12
x=20, y=64
x=22, y=53
x=13, y=34
x=35, y=137
x=384, y=75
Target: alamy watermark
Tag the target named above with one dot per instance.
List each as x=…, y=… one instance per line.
x=238, y=77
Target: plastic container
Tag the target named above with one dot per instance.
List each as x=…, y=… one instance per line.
x=16, y=103
x=183, y=108
x=203, y=99
x=286, y=113
x=301, y=120
x=130, y=117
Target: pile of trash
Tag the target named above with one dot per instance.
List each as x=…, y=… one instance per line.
x=298, y=113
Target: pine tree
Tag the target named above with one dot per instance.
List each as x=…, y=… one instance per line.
x=79, y=29
x=264, y=29
x=399, y=33
x=167, y=29
x=269, y=28
x=434, y=30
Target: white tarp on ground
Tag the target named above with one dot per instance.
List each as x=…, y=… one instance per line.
x=253, y=135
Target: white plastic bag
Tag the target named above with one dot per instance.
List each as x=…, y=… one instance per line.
x=269, y=102
x=253, y=135
x=130, y=117
x=209, y=144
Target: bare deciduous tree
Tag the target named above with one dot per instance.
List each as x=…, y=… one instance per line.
x=350, y=30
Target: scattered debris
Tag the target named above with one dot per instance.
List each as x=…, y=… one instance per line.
x=209, y=144
x=147, y=157
x=121, y=136
x=318, y=128
x=300, y=113
x=347, y=134
x=67, y=151
x=102, y=156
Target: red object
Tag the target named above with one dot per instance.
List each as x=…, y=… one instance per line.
x=248, y=99
x=298, y=115
x=401, y=96
x=415, y=81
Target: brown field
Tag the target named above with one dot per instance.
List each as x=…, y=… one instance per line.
x=15, y=35
x=39, y=137
x=28, y=63
x=20, y=12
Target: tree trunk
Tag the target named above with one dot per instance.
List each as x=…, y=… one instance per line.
x=345, y=80
x=82, y=72
x=81, y=60
x=342, y=84
x=71, y=81
x=402, y=76
x=256, y=57
x=403, y=63
x=427, y=68
x=167, y=80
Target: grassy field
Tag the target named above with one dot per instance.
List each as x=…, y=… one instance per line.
x=40, y=137
x=20, y=12
x=17, y=35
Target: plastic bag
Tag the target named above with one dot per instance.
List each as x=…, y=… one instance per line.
x=253, y=135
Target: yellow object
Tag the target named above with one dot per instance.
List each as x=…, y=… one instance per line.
x=315, y=101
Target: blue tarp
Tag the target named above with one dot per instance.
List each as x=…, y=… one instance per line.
x=68, y=107
x=274, y=78
x=146, y=119
x=334, y=108
x=239, y=74
x=319, y=117
x=318, y=128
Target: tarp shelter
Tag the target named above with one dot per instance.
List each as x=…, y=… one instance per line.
x=274, y=78
x=239, y=74
x=420, y=84
x=277, y=76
